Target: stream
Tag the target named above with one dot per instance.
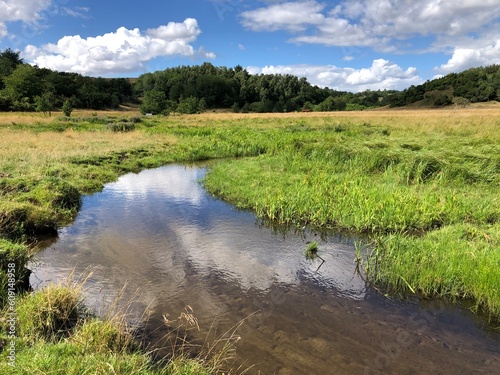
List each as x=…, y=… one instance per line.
x=157, y=244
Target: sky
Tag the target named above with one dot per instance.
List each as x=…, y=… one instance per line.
x=347, y=45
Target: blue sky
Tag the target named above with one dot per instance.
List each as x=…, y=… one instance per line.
x=350, y=45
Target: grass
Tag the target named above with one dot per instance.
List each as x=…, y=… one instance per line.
x=416, y=187
x=55, y=334
x=311, y=250
x=421, y=184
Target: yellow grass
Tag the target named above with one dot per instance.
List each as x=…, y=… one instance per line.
x=29, y=153
x=26, y=118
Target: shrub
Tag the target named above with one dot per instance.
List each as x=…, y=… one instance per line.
x=154, y=102
x=120, y=126
x=67, y=108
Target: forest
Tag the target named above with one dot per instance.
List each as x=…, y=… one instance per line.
x=194, y=89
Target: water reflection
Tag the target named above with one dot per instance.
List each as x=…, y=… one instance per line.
x=159, y=232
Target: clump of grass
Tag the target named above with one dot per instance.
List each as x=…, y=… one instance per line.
x=105, y=336
x=57, y=335
x=17, y=254
x=121, y=126
x=312, y=250
x=214, y=354
x=135, y=119
x=411, y=146
x=50, y=314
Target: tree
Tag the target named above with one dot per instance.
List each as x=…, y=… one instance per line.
x=67, y=108
x=154, y=102
x=22, y=85
x=44, y=103
x=202, y=105
x=188, y=105
x=9, y=60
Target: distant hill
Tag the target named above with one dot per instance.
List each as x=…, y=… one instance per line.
x=470, y=86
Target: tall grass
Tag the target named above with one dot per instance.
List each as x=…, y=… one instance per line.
x=56, y=334
x=423, y=184
x=412, y=183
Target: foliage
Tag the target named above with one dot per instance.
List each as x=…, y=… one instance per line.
x=235, y=88
x=23, y=87
x=67, y=108
x=9, y=60
x=44, y=103
x=154, y=102
x=190, y=105
x=21, y=84
x=473, y=85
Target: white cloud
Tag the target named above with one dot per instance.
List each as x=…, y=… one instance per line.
x=78, y=12
x=291, y=16
x=381, y=75
x=381, y=24
x=465, y=58
x=186, y=31
x=118, y=52
x=27, y=11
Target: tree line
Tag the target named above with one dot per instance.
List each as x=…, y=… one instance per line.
x=474, y=85
x=24, y=87
x=192, y=89
x=220, y=87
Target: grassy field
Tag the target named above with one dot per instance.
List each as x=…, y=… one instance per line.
x=422, y=185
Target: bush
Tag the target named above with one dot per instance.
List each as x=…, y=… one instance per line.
x=67, y=108
x=120, y=126
x=188, y=106
x=154, y=102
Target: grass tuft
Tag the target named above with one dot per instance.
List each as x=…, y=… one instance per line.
x=312, y=250
x=50, y=314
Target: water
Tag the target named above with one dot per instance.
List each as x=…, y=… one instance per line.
x=171, y=245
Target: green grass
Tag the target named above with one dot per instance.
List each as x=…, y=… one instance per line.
x=368, y=180
x=311, y=250
x=423, y=185
x=55, y=334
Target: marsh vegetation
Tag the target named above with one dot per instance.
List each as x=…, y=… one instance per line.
x=421, y=185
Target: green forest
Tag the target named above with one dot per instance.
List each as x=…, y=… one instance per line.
x=193, y=89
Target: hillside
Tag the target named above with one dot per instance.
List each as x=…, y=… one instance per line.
x=474, y=85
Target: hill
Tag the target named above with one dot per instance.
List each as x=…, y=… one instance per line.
x=474, y=85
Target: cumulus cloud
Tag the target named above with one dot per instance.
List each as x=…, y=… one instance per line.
x=382, y=74
x=26, y=11
x=381, y=24
x=117, y=52
x=465, y=58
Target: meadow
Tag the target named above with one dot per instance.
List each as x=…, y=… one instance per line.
x=420, y=185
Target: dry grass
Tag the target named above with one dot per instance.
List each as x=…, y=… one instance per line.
x=15, y=118
x=25, y=118
x=29, y=153
x=484, y=117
